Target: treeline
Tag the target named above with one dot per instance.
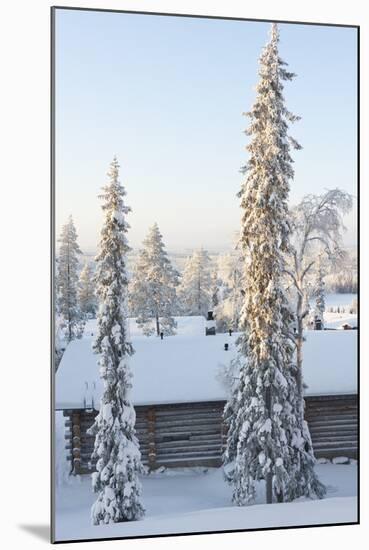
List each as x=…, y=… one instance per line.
x=343, y=282
x=158, y=292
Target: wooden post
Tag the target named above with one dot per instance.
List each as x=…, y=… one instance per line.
x=76, y=442
x=151, y=437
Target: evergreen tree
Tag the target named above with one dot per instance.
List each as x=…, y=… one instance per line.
x=228, y=311
x=86, y=291
x=214, y=290
x=67, y=282
x=267, y=439
x=153, y=296
x=116, y=450
x=195, y=288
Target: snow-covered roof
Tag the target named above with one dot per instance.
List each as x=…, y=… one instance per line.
x=185, y=368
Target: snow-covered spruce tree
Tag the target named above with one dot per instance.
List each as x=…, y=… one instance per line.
x=319, y=292
x=67, y=282
x=153, y=296
x=195, y=290
x=86, y=291
x=116, y=450
x=266, y=440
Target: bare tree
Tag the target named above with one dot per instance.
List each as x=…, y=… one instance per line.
x=317, y=231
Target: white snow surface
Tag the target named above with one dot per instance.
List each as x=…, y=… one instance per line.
x=194, y=500
x=336, y=320
x=185, y=367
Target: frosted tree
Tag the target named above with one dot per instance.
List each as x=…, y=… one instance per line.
x=195, y=290
x=343, y=278
x=319, y=292
x=67, y=282
x=59, y=341
x=214, y=291
x=116, y=449
x=86, y=291
x=266, y=440
x=153, y=295
x=228, y=311
x=318, y=226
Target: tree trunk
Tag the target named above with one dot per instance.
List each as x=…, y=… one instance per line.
x=299, y=343
x=157, y=325
x=269, y=476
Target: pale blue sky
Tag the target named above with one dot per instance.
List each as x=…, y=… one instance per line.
x=166, y=95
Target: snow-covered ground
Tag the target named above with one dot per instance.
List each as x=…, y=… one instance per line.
x=196, y=500
x=339, y=299
x=334, y=319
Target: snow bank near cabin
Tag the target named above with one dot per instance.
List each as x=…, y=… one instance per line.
x=185, y=368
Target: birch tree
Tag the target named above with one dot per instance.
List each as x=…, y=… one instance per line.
x=116, y=449
x=317, y=230
x=319, y=291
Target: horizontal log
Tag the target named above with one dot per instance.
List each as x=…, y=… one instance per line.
x=192, y=463
x=189, y=414
x=321, y=407
x=161, y=457
x=191, y=427
x=187, y=443
x=353, y=426
x=328, y=417
x=332, y=424
x=334, y=445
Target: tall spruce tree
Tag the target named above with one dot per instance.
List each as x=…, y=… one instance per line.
x=153, y=295
x=116, y=450
x=195, y=291
x=267, y=439
x=86, y=291
x=67, y=282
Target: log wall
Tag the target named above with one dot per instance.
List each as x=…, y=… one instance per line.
x=192, y=434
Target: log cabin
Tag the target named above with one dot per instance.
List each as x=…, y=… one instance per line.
x=179, y=393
